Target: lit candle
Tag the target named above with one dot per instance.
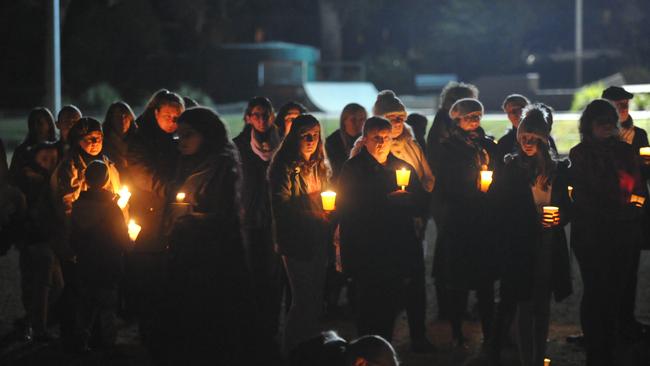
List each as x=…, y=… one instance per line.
x=329, y=200
x=644, y=151
x=403, y=176
x=180, y=196
x=547, y=362
x=125, y=195
x=486, y=180
x=570, y=189
x=134, y=230
x=551, y=214
x=637, y=200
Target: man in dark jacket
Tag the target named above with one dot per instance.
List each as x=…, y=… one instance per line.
x=638, y=138
x=152, y=158
x=379, y=245
x=256, y=143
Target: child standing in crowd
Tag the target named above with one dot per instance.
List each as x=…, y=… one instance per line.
x=380, y=249
x=606, y=226
x=463, y=256
x=99, y=238
x=535, y=258
x=298, y=173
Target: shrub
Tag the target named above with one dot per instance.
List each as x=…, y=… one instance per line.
x=585, y=95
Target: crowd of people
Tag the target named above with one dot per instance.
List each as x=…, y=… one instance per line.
x=216, y=240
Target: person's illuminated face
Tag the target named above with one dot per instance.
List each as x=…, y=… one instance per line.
x=623, y=109
x=514, y=113
x=260, y=119
x=288, y=119
x=92, y=143
x=378, y=144
x=528, y=144
x=189, y=140
x=397, y=121
x=470, y=122
x=309, y=142
x=166, y=116
x=354, y=123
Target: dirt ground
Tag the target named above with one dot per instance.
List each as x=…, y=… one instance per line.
x=565, y=319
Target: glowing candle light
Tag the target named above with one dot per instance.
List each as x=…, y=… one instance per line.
x=637, y=200
x=486, y=180
x=551, y=214
x=547, y=362
x=329, y=200
x=134, y=230
x=645, y=151
x=403, y=176
x=570, y=189
x=125, y=195
x=180, y=197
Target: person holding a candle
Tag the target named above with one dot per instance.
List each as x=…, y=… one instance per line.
x=298, y=173
x=257, y=143
x=380, y=248
x=209, y=302
x=99, y=238
x=151, y=162
x=533, y=248
x=606, y=226
x=463, y=259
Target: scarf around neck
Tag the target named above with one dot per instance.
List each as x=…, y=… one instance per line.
x=264, y=145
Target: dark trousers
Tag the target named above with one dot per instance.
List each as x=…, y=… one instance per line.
x=604, y=266
x=457, y=299
x=67, y=306
x=380, y=298
x=628, y=299
x=267, y=270
x=97, y=309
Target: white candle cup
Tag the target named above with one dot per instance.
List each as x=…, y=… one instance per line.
x=645, y=151
x=570, y=190
x=637, y=200
x=134, y=230
x=486, y=180
x=403, y=176
x=551, y=214
x=329, y=200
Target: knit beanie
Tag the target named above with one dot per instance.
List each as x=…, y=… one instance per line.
x=96, y=174
x=464, y=107
x=534, y=122
x=387, y=102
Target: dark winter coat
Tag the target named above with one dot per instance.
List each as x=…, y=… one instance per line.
x=209, y=301
x=438, y=133
x=300, y=227
x=99, y=237
x=603, y=175
x=151, y=163
x=464, y=254
x=377, y=231
x=518, y=229
x=116, y=148
x=337, y=153
x=255, y=199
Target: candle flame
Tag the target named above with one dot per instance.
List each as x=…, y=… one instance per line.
x=180, y=196
x=125, y=195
